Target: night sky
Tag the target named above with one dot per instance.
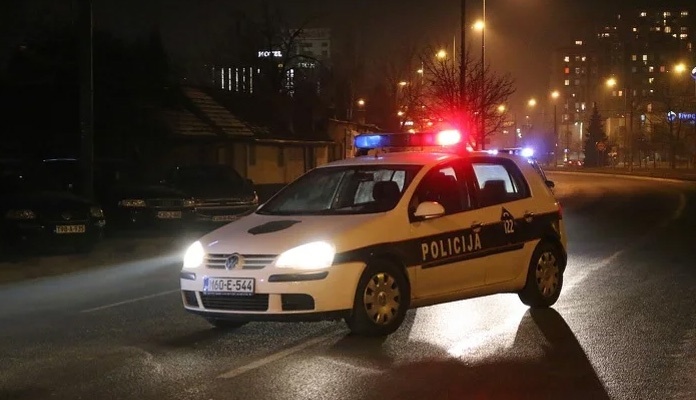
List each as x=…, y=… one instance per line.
x=520, y=38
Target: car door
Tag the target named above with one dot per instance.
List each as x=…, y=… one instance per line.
x=503, y=198
x=448, y=245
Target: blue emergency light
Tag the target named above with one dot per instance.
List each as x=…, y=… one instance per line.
x=368, y=141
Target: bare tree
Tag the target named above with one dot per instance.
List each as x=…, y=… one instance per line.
x=484, y=92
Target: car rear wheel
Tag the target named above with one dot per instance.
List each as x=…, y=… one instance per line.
x=544, y=277
x=381, y=300
x=226, y=324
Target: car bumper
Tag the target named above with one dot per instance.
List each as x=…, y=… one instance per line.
x=280, y=294
x=30, y=235
x=151, y=218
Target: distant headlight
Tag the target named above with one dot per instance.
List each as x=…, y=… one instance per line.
x=189, y=203
x=194, y=256
x=20, y=214
x=314, y=255
x=96, y=212
x=135, y=203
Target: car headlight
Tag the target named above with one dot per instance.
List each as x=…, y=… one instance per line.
x=134, y=203
x=314, y=255
x=96, y=212
x=194, y=256
x=20, y=214
x=189, y=203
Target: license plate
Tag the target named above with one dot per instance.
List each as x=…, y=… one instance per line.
x=70, y=229
x=238, y=286
x=220, y=218
x=169, y=214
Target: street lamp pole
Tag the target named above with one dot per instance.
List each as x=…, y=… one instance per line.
x=483, y=78
x=462, y=62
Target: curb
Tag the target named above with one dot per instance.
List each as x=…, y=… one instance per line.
x=625, y=175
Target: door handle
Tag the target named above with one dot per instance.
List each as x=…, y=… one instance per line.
x=476, y=225
x=528, y=215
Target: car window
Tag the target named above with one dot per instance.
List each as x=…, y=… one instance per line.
x=343, y=190
x=499, y=182
x=445, y=185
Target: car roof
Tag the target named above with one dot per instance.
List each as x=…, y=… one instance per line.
x=405, y=157
x=416, y=158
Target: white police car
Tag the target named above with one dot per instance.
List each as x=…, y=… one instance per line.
x=365, y=239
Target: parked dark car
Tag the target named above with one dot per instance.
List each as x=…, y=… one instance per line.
x=220, y=192
x=37, y=217
x=129, y=199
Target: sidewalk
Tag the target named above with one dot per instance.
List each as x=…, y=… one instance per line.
x=663, y=173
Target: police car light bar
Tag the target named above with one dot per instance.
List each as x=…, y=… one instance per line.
x=421, y=139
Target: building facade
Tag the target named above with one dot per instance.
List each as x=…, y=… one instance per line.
x=636, y=69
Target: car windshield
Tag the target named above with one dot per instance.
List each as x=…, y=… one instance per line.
x=343, y=190
x=206, y=174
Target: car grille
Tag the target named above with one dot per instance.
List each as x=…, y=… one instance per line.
x=248, y=261
x=221, y=203
x=190, y=298
x=297, y=302
x=65, y=216
x=256, y=302
x=165, y=203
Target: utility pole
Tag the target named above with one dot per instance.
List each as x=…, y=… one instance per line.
x=84, y=22
x=483, y=79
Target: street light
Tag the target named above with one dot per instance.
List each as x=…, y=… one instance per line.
x=403, y=83
x=442, y=54
x=361, y=102
x=532, y=102
x=501, y=108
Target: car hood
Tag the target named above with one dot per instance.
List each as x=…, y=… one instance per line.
x=144, y=191
x=267, y=234
x=43, y=201
x=217, y=191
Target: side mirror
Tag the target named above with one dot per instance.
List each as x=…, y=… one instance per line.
x=250, y=182
x=429, y=210
x=550, y=184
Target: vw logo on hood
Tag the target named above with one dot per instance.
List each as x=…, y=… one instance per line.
x=66, y=216
x=233, y=260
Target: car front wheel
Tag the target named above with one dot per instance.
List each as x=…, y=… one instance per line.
x=544, y=277
x=381, y=300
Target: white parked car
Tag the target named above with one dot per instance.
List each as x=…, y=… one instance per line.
x=365, y=239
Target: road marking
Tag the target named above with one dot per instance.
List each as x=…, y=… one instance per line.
x=279, y=355
x=120, y=303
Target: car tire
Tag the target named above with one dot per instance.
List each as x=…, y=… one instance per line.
x=226, y=324
x=381, y=300
x=544, y=277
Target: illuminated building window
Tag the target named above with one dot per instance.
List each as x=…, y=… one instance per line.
x=577, y=82
x=578, y=42
x=566, y=70
x=667, y=14
x=634, y=57
x=662, y=68
x=684, y=29
x=668, y=29
x=645, y=57
x=684, y=13
x=566, y=58
x=635, y=29
x=651, y=80
x=651, y=69
x=683, y=36
x=222, y=78
x=583, y=59
x=566, y=82
x=577, y=71
x=643, y=14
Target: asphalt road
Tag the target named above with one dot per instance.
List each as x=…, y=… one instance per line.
x=624, y=327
